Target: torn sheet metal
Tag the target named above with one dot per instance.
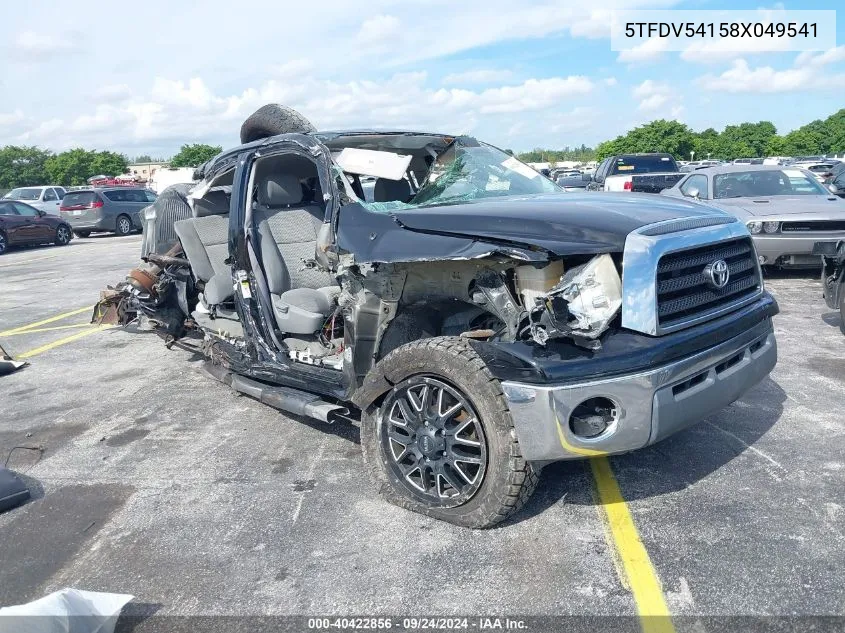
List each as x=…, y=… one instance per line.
x=65, y=611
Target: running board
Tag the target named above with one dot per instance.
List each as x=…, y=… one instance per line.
x=282, y=398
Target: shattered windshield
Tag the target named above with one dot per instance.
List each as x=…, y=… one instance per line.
x=468, y=170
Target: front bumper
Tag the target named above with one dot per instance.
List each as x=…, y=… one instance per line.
x=651, y=404
x=775, y=247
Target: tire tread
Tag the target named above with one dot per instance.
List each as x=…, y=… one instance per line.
x=522, y=477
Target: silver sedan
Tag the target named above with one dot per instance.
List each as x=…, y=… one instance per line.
x=785, y=208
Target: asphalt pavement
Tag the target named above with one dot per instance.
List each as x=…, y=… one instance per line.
x=157, y=481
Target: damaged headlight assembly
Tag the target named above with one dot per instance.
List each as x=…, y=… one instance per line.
x=581, y=306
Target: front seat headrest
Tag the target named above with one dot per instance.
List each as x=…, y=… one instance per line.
x=391, y=190
x=279, y=190
x=215, y=202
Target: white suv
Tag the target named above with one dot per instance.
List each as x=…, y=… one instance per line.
x=46, y=199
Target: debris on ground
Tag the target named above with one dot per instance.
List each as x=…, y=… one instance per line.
x=8, y=364
x=65, y=611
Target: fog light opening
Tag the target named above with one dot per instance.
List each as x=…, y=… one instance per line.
x=593, y=417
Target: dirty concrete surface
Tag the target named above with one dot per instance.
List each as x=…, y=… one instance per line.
x=156, y=480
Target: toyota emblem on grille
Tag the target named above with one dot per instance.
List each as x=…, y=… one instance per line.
x=717, y=273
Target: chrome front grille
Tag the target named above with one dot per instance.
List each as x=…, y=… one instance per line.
x=686, y=293
x=664, y=287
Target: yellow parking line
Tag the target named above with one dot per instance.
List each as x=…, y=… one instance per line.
x=636, y=564
x=45, y=329
x=62, y=341
x=59, y=317
x=27, y=261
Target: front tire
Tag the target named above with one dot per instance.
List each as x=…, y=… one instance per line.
x=63, y=235
x=123, y=225
x=4, y=244
x=442, y=441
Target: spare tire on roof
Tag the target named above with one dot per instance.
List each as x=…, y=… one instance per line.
x=273, y=119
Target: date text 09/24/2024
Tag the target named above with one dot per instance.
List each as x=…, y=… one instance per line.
x=485, y=623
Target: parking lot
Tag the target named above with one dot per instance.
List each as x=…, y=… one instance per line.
x=156, y=480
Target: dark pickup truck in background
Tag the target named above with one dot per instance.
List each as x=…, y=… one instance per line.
x=643, y=173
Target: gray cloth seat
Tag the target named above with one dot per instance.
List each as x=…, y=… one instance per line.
x=386, y=190
x=303, y=295
x=205, y=241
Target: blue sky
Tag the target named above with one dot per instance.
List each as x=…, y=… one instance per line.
x=517, y=74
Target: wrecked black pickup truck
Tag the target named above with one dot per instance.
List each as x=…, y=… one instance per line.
x=478, y=321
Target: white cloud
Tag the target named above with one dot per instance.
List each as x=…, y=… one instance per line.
x=649, y=87
x=533, y=94
x=610, y=81
x=653, y=102
x=190, y=111
x=164, y=95
x=830, y=56
x=378, y=28
x=658, y=98
x=481, y=76
x=42, y=46
x=113, y=93
x=806, y=74
x=649, y=50
x=292, y=68
x=727, y=49
x=11, y=118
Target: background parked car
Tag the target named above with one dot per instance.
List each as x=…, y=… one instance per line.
x=786, y=209
x=112, y=209
x=573, y=183
x=46, y=199
x=836, y=182
x=645, y=173
x=22, y=224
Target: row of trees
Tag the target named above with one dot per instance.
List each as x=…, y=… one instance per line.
x=538, y=155
x=747, y=140
x=22, y=166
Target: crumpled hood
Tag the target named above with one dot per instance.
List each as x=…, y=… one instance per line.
x=564, y=224
x=764, y=206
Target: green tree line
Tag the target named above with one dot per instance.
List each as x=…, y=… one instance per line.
x=746, y=140
x=538, y=155
x=22, y=166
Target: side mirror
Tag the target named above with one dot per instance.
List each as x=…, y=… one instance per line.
x=833, y=188
x=693, y=192
x=40, y=213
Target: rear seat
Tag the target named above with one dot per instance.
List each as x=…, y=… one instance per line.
x=205, y=240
